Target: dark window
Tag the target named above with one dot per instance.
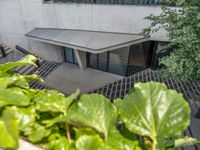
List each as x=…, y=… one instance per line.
x=69, y=55
x=92, y=60
x=48, y=1
x=124, y=61
x=118, y=60
x=140, y=56
x=122, y=2
x=103, y=61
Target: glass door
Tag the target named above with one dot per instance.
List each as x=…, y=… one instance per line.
x=98, y=61
x=69, y=55
x=103, y=61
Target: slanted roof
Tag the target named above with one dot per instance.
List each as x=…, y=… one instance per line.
x=91, y=41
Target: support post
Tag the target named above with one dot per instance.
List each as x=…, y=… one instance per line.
x=81, y=58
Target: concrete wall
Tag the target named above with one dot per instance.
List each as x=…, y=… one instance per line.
x=18, y=17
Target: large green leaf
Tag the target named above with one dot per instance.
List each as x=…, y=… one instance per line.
x=94, y=111
x=8, y=129
x=89, y=142
x=59, y=142
x=13, y=96
x=12, y=80
x=50, y=100
x=38, y=132
x=186, y=141
x=28, y=60
x=26, y=116
x=153, y=110
x=122, y=139
x=18, y=80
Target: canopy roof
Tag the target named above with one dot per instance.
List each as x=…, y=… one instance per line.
x=91, y=41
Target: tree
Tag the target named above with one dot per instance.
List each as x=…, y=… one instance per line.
x=183, y=27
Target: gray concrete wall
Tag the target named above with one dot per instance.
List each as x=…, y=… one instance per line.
x=18, y=17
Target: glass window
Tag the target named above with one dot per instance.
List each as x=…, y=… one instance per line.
x=128, y=2
x=116, y=64
x=92, y=60
x=140, y=56
x=103, y=61
x=68, y=53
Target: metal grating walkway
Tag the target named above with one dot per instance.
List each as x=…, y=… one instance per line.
x=45, y=66
x=191, y=93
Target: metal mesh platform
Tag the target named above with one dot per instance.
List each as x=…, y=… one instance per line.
x=43, y=70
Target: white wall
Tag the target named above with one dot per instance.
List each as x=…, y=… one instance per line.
x=18, y=17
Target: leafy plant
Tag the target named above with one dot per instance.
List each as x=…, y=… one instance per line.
x=182, y=25
x=152, y=110
x=55, y=121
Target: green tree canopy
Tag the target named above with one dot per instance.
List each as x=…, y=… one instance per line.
x=183, y=26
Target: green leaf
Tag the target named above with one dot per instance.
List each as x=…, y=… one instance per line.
x=13, y=96
x=50, y=100
x=9, y=135
x=18, y=80
x=89, y=142
x=186, y=141
x=84, y=131
x=26, y=116
x=38, y=132
x=59, y=142
x=122, y=139
x=57, y=119
x=94, y=111
x=28, y=60
x=153, y=110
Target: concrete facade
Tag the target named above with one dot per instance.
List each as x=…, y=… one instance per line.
x=18, y=17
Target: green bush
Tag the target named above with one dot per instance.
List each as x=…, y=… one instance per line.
x=58, y=122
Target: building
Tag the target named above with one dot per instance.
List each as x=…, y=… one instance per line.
x=101, y=34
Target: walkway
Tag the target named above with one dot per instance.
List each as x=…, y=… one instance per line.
x=69, y=77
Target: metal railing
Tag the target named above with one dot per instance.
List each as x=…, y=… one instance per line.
x=3, y=53
x=121, y=2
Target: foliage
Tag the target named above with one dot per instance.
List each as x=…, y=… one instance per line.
x=55, y=121
x=186, y=141
x=183, y=27
x=152, y=110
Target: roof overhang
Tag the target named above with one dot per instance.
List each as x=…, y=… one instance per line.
x=90, y=41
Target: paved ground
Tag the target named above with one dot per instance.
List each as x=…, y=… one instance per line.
x=68, y=77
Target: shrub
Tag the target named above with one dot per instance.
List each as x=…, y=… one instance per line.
x=55, y=121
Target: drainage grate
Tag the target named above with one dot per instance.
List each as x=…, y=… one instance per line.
x=12, y=56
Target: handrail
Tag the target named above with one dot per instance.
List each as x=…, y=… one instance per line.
x=24, y=51
x=2, y=51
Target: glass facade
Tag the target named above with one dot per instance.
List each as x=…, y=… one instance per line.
x=140, y=56
x=98, y=61
x=121, y=2
x=118, y=61
x=69, y=55
x=124, y=61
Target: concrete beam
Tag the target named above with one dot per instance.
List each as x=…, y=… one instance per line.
x=81, y=58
